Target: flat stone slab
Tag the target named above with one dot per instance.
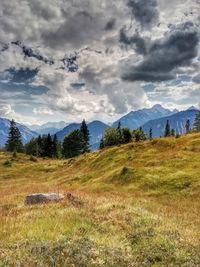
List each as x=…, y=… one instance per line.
x=43, y=198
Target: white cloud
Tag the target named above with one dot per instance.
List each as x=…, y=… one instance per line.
x=41, y=110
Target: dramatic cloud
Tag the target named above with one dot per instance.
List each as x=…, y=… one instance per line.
x=144, y=11
x=164, y=56
x=67, y=58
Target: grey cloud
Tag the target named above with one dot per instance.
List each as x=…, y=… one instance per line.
x=176, y=49
x=110, y=24
x=135, y=41
x=145, y=12
x=196, y=79
x=29, y=52
x=78, y=29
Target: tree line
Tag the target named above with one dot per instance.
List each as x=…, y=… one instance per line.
x=78, y=141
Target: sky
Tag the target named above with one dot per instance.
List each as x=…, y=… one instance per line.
x=65, y=60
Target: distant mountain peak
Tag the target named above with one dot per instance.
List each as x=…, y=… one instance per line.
x=192, y=108
x=158, y=106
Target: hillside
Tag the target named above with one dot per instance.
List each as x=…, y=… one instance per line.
x=140, y=207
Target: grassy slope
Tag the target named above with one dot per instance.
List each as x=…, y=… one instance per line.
x=141, y=207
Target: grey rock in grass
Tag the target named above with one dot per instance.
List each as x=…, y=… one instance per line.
x=43, y=198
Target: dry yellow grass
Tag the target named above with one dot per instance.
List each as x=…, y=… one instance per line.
x=141, y=207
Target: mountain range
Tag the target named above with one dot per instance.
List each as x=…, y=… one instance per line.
x=49, y=127
x=155, y=118
x=177, y=122
x=136, y=119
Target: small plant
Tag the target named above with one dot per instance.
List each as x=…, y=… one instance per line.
x=7, y=163
x=14, y=155
x=33, y=159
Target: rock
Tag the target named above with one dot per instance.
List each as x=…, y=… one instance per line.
x=43, y=198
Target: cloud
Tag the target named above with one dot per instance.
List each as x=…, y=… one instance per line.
x=176, y=49
x=196, y=79
x=145, y=12
x=43, y=111
x=66, y=55
x=136, y=41
x=6, y=111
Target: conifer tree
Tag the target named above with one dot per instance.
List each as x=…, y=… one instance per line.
x=187, y=126
x=197, y=122
x=55, y=147
x=86, y=137
x=101, y=146
x=167, y=129
x=14, y=142
x=150, y=134
x=48, y=146
x=73, y=144
x=119, y=131
x=172, y=132
x=127, y=136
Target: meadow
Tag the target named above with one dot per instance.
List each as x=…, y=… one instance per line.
x=139, y=205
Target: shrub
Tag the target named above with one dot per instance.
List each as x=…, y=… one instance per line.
x=33, y=159
x=7, y=163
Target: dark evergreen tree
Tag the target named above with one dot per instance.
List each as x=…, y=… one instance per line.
x=31, y=148
x=48, y=146
x=127, y=136
x=73, y=144
x=119, y=131
x=101, y=146
x=14, y=142
x=40, y=147
x=167, y=129
x=187, y=126
x=86, y=137
x=55, y=152
x=197, y=122
x=173, y=133
x=150, y=134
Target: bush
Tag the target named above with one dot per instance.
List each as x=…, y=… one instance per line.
x=14, y=154
x=33, y=159
x=7, y=163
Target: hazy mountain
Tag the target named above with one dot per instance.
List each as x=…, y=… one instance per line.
x=96, y=128
x=26, y=133
x=49, y=127
x=135, y=119
x=177, y=122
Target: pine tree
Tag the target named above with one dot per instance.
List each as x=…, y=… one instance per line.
x=167, y=129
x=73, y=144
x=172, y=132
x=14, y=142
x=150, y=134
x=127, y=136
x=86, y=137
x=101, y=146
x=187, y=126
x=119, y=131
x=197, y=122
x=48, y=146
x=40, y=147
x=55, y=147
